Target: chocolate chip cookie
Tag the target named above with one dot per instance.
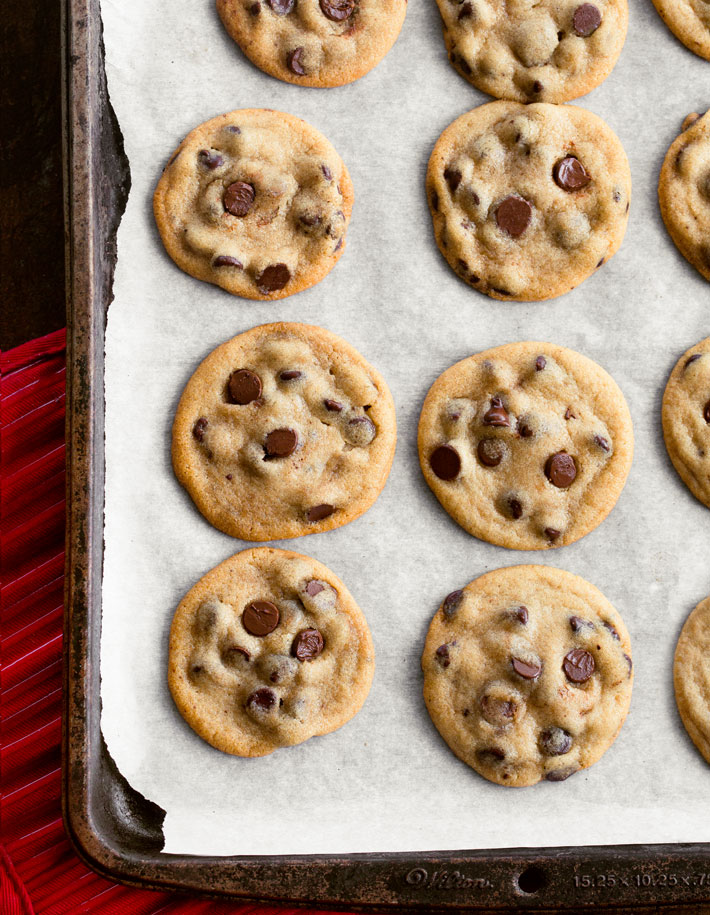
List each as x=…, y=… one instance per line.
x=686, y=419
x=314, y=42
x=527, y=445
x=267, y=650
x=528, y=200
x=527, y=674
x=684, y=190
x=284, y=430
x=542, y=52
x=691, y=676
x=689, y=20
x=257, y=202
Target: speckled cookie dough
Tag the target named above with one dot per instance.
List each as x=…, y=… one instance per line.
x=527, y=674
x=686, y=419
x=684, y=190
x=543, y=52
x=318, y=43
x=691, y=676
x=267, y=650
x=527, y=445
x=528, y=200
x=689, y=20
x=284, y=430
x=255, y=201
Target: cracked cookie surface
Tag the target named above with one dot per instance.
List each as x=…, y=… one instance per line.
x=526, y=445
x=284, y=430
x=543, y=52
x=255, y=201
x=528, y=200
x=527, y=674
x=684, y=191
x=689, y=20
x=319, y=43
x=691, y=676
x=267, y=650
x=686, y=419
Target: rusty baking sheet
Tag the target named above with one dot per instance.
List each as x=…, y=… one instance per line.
x=117, y=831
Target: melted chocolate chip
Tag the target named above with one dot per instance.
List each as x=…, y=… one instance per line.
x=570, y=174
x=513, y=215
x=434, y=201
x=569, y=414
x=559, y=775
x=586, y=20
x=273, y=278
x=238, y=198
x=363, y=429
x=293, y=62
x=327, y=174
x=445, y=462
x=198, y=430
x=307, y=645
x=578, y=665
x=255, y=9
x=496, y=415
x=280, y=443
x=263, y=699
x=230, y=654
x=577, y=623
x=498, y=711
x=555, y=741
x=319, y=512
x=491, y=754
x=521, y=615
x=314, y=587
x=224, y=260
x=442, y=655
x=281, y=7
x=552, y=534
x=290, y=375
x=337, y=10
x=706, y=412
x=524, y=430
x=465, y=11
x=452, y=602
x=540, y=363
x=561, y=470
x=334, y=406
x=602, y=442
x=453, y=178
x=611, y=630
x=516, y=508
x=537, y=87
x=260, y=617
x=210, y=159
x=490, y=452
x=692, y=359
x=526, y=670
x=243, y=386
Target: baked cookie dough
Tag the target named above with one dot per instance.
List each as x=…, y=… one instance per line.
x=267, y=650
x=314, y=42
x=543, y=52
x=527, y=445
x=691, y=676
x=689, y=20
x=686, y=419
x=284, y=430
x=528, y=200
x=255, y=201
x=684, y=190
x=527, y=674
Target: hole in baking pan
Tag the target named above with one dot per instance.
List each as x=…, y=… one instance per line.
x=532, y=880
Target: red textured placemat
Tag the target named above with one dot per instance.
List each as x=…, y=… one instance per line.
x=39, y=871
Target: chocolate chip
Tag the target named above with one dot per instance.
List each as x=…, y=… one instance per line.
x=452, y=602
x=463, y=65
x=570, y=174
x=362, y=429
x=263, y=699
x=513, y=215
x=599, y=262
x=692, y=359
x=319, y=512
x=314, y=587
x=442, y=655
x=521, y=614
x=498, y=711
x=230, y=654
x=577, y=623
x=309, y=220
x=516, y=508
x=290, y=375
x=228, y=476
x=232, y=128
x=333, y=405
x=490, y=452
x=612, y=631
x=280, y=443
x=260, y=617
x=238, y=198
x=602, y=442
x=273, y=278
x=578, y=665
x=293, y=62
x=525, y=670
x=465, y=11
x=445, y=462
x=555, y=741
x=244, y=386
x=337, y=10
x=559, y=775
x=561, y=469
x=307, y=645
x=552, y=534
x=210, y=159
x=198, y=430
x=327, y=174
x=496, y=415
x=224, y=260
x=453, y=178
x=255, y=9
x=281, y=7
x=586, y=20
x=537, y=87
x=524, y=430
x=706, y=412
x=569, y=414
x=540, y=363
x=491, y=754
x=434, y=201
x=629, y=662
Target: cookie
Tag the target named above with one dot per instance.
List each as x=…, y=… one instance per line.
x=528, y=200
x=691, y=676
x=684, y=191
x=527, y=674
x=255, y=201
x=314, y=42
x=267, y=650
x=527, y=445
x=543, y=52
x=689, y=20
x=686, y=419
x=284, y=430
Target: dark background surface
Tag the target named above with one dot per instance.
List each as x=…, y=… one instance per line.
x=32, y=209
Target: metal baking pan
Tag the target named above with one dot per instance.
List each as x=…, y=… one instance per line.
x=118, y=832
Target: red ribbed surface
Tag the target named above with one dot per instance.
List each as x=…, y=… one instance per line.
x=39, y=872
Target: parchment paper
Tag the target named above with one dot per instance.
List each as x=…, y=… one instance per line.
x=387, y=781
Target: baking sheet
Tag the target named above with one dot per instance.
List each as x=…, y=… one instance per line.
x=386, y=781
